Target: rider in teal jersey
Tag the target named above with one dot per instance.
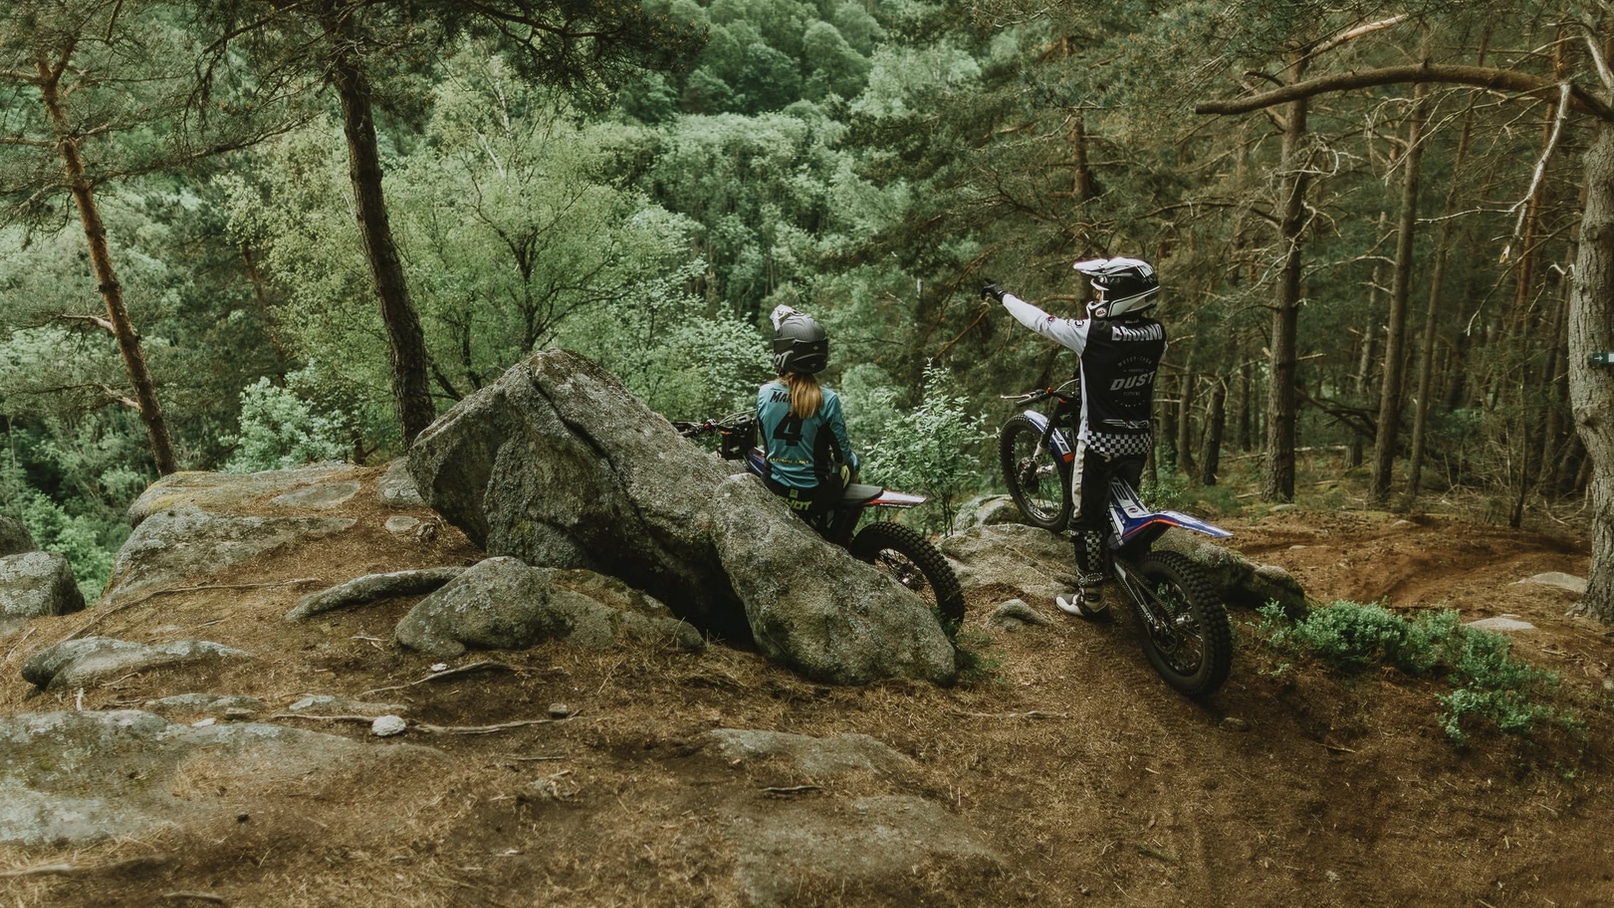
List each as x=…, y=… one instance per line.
x=810, y=457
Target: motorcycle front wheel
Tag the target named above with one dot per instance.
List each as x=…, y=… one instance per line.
x=1185, y=629
x=1037, y=481
x=903, y=554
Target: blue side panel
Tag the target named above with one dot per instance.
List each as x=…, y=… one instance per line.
x=1130, y=518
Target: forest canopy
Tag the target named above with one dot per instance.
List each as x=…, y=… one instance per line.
x=241, y=236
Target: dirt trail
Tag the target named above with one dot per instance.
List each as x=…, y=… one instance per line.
x=1096, y=783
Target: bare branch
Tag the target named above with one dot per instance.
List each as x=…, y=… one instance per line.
x=1478, y=76
x=1352, y=34
x=1522, y=205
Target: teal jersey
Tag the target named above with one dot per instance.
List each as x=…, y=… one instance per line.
x=790, y=442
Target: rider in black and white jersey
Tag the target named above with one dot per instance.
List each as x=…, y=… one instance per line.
x=1120, y=348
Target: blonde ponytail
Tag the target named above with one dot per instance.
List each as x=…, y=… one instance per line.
x=805, y=395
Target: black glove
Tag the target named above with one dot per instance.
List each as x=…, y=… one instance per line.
x=992, y=291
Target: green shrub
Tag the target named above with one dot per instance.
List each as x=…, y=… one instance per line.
x=280, y=429
x=1487, y=682
x=930, y=449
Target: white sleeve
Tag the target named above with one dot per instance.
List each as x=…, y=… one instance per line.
x=1069, y=332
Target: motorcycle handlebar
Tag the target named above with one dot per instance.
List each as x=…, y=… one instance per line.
x=1068, y=389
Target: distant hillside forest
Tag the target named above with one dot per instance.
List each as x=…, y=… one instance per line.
x=239, y=235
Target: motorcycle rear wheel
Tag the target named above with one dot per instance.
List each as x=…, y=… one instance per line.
x=1194, y=650
x=1037, y=481
x=912, y=561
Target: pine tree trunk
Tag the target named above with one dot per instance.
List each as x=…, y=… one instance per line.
x=1591, y=387
x=1395, y=360
x=410, y=392
x=106, y=277
x=1431, y=320
x=1210, y=451
x=1279, y=482
x=1185, y=426
x=1370, y=346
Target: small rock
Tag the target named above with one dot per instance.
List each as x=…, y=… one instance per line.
x=439, y=666
x=387, y=726
x=559, y=710
x=1331, y=876
x=399, y=523
x=1015, y=614
x=1567, y=582
x=1502, y=624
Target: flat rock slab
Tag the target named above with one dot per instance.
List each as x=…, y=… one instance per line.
x=819, y=757
x=82, y=777
x=177, y=546
x=884, y=843
x=331, y=705
x=227, y=492
x=202, y=703
x=1502, y=624
x=810, y=837
x=1559, y=579
x=319, y=495
x=88, y=660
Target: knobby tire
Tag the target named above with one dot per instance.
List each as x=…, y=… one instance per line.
x=1032, y=477
x=912, y=561
x=1195, y=659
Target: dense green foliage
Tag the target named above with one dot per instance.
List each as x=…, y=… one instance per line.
x=871, y=163
x=1487, y=683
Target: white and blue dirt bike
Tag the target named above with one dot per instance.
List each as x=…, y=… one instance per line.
x=899, y=551
x=1183, y=623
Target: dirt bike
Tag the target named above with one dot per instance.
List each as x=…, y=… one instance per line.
x=899, y=551
x=1185, y=628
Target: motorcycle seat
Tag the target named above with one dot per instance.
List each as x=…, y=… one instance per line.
x=860, y=493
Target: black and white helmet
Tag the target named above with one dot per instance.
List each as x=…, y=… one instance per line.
x=800, y=344
x=1124, y=286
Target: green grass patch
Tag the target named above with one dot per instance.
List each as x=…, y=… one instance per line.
x=1488, y=683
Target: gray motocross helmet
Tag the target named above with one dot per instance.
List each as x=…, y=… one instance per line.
x=1124, y=286
x=800, y=345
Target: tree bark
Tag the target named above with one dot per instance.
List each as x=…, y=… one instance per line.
x=410, y=390
x=1395, y=341
x=1591, y=387
x=106, y=277
x=1185, y=425
x=1279, y=482
x=1210, y=451
x=1431, y=319
x=1370, y=346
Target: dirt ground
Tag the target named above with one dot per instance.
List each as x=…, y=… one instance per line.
x=1095, y=782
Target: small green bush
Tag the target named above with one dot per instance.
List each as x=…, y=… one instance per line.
x=1488, y=683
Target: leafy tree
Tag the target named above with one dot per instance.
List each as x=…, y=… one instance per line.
x=358, y=48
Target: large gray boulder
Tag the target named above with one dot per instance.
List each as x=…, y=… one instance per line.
x=815, y=608
x=14, y=538
x=558, y=465
x=35, y=584
x=503, y=603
